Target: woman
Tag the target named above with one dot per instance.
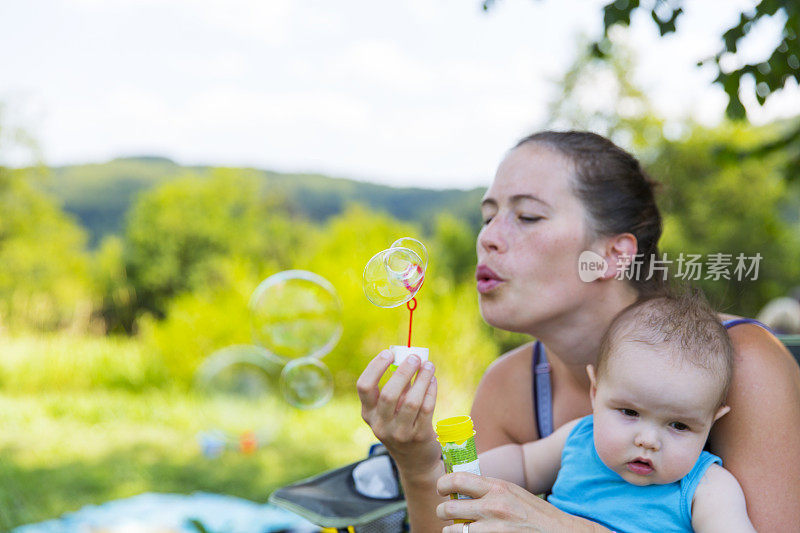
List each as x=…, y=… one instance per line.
x=554, y=196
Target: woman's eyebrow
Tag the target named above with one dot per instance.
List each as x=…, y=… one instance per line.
x=519, y=197
x=515, y=199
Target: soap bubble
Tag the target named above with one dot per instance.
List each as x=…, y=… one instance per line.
x=296, y=313
x=394, y=276
x=242, y=370
x=306, y=383
x=415, y=246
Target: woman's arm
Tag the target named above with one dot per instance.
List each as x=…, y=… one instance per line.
x=759, y=440
x=400, y=415
x=719, y=505
x=499, y=505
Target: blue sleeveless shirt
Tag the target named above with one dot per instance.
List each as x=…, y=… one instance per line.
x=586, y=487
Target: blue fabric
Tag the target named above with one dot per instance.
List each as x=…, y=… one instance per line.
x=542, y=395
x=174, y=512
x=736, y=321
x=586, y=487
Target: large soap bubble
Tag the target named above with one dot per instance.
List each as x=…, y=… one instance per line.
x=243, y=370
x=306, y=383
x=415, y=246
x=295, y=314
x=394, y=276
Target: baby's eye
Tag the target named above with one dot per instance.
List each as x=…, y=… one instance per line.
x=679, y=426
x=629, y=412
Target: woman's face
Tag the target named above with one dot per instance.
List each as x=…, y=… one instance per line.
x=533, y=231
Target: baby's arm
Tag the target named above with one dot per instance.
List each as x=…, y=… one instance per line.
x=533, y=465
x=719, y=504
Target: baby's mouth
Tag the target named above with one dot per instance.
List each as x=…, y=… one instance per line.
x=640, y=466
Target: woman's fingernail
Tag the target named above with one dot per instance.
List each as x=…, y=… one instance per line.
x=413, y=359
x=386, y=355
x=428, y=365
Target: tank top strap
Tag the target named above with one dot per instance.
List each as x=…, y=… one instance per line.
x=736, y=321
x=542, y=391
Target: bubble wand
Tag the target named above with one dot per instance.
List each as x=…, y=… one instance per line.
x=392, y=278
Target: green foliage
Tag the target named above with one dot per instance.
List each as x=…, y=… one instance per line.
x=178, y=233
x=454, y=245
x=44, y=280
x=623, y=112
x=63, y=362
x=101, y=195
x=768, y=76
x=447, y=318
x=201, y=321
x=735, y=208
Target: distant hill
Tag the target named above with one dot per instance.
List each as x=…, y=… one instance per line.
x=99, y=195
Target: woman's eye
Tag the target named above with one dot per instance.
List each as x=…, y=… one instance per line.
x=679, y=426
x=525, y=218
x=629, y=412
x=486, y=220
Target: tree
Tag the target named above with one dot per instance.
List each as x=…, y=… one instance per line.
x=44, y=282
x=770, y=75
x=730, y=209
x=178, y=233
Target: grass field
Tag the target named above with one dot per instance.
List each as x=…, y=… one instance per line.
x=80, y=423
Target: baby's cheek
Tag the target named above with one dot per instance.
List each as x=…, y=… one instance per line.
x=611, y=450
x=679, y=463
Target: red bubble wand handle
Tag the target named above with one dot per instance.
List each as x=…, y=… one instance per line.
x=411, y=304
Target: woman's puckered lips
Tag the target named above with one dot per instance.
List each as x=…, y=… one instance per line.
x=487, y=279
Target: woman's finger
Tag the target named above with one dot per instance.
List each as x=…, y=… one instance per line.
x=367, y=384
x=425, y=416
x=474, y=527
x=411, y=403
x=464, y=483
x=459, y=510
x=393, y=389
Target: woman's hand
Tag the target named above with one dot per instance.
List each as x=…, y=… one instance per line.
x=400, y=413
x=500, y=506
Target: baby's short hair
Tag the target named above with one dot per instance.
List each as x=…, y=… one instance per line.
x=681, y=321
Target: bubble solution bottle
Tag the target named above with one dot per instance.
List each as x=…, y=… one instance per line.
x=457, y=437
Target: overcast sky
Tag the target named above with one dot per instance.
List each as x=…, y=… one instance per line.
x=409, y=92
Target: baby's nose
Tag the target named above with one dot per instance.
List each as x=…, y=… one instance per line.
x=647, y=438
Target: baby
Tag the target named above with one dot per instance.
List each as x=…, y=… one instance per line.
x=637, y=463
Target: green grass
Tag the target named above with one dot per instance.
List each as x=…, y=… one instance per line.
x=80, y=425
x=86, y=420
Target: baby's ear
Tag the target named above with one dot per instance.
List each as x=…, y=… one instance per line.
x=592, y=383
x=721, y=412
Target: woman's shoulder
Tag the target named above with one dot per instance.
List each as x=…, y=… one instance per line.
x=511, y=363
x=503, y=406
x=757, y=349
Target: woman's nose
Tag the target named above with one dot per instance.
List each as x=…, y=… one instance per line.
x=647, y=438
x=493, y=236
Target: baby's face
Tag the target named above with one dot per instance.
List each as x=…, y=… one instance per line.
x=652, y=415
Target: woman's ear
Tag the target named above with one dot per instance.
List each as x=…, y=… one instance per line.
x=619, y=253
